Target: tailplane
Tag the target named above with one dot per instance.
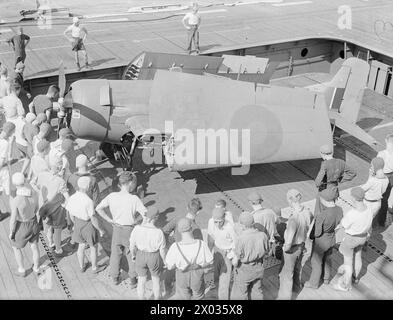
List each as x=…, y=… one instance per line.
x=344, y=94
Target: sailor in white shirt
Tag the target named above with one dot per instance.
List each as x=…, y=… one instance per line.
x=11, y=104
x=86, y=227
x=221, y=233
x=20, y=141
x=78, y=36
x=189, y=256
x=6, y=140
x=356, y=223
x=124, y=208
x=147, y=246
x=387, y=156
x=191, y=22
x=375, y=186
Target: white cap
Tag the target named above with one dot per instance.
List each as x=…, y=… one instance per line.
x=81, y=161
x=75, y=19
x=18, y=179
x=83, y=183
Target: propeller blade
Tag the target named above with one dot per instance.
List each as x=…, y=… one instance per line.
x=62, y=79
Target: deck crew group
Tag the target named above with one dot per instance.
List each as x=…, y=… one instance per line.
x=56, y=194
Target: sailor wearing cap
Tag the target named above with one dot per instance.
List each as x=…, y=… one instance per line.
x=265, y=218
x=24, y=226
x=147, y=246
x=222, y=236
x=86, y=227
x=189, y=256
x=327, y=217
x=78, y=36
x=387, y=156
x=356, y=223
x=5, y=156
x=295, y=238
x=333, y=171
x=251, y=247
x=375, y=186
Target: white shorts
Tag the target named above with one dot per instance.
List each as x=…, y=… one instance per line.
x=4, y=181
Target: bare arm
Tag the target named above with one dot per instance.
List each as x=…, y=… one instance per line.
x=85, y=33
x=14, y=212
x=66, y=34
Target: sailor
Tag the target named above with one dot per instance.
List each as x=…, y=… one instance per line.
x=222, y=204
x=124, y=208
x=24, y=225
x=43, y=103
x=327, y=217
x=222, y=237
x=356, y=223
x=250, y=249
x=375, y=186
x=264, y=218
x=147, y=246
x=32, y=128
x=53, y=195
x=19, y=43
x=6, y=141
x=4, y=82
x=93, y=191
x=43, y=134
x=387, y=156
x=11, y=104
x=193, y=209
x=39, y=161
x=67, y=151
x=16, y=78
x=190, y=257
x=191, y=22
x=86, y=228
x=333, y=171
x=21, y=143
x=78, y=37
x=295, y=236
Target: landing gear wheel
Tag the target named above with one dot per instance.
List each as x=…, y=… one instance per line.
x=108, y=149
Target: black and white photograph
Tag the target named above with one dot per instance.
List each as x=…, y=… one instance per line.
x=210, y=150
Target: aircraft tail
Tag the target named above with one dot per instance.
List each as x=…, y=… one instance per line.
x=344, y=94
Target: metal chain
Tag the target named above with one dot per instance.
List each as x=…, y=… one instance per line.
x=56, y=268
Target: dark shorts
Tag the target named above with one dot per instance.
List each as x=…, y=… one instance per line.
x=78, y=45
x=148, y=261
x=25, y=232
x=351, y=244
x=84, y=232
